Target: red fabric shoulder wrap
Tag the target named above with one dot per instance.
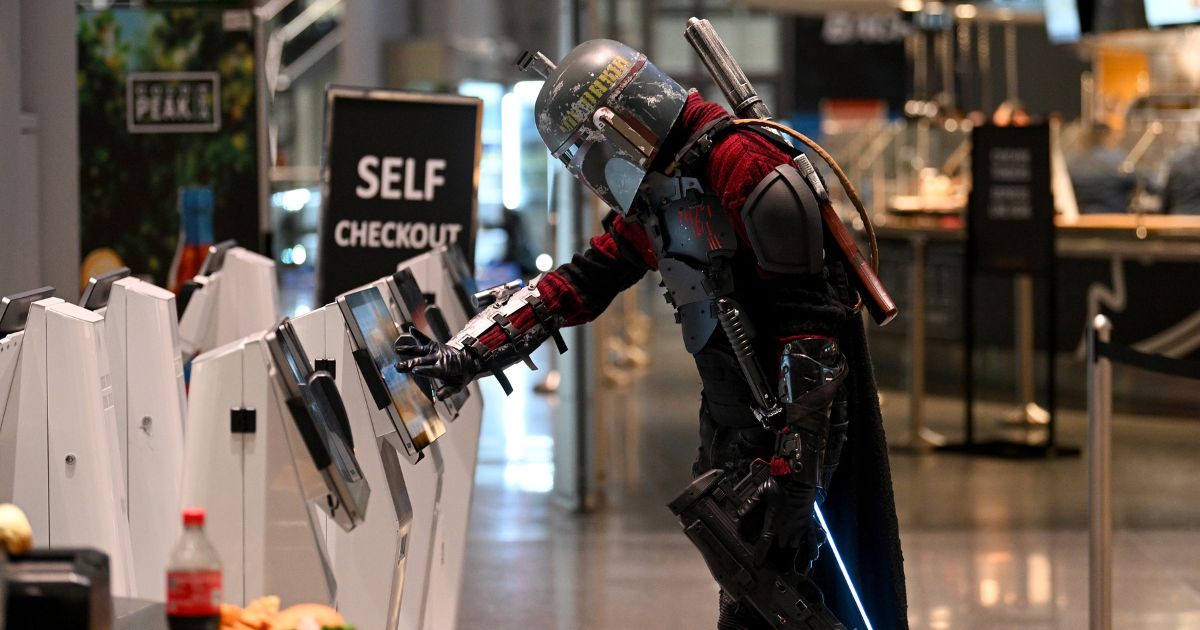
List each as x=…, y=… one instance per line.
x=736, y=163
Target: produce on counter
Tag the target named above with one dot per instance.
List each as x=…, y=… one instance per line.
x=264, y=614
x=16, y=535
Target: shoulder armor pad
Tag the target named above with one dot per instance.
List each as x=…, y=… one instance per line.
x=783, y=220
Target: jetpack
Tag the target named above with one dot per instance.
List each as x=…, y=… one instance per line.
x=751, y=111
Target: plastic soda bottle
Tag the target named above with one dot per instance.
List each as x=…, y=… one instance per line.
x=193, y=578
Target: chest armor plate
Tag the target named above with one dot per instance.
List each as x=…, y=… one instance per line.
x=694, y=242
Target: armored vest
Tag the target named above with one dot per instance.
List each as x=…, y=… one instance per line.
x=694, y=242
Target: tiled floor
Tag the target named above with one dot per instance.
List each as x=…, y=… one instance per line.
x=989, y=543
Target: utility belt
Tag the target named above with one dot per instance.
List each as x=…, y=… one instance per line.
x=805, y=410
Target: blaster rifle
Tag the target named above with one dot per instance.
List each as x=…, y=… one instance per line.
x=711, y=510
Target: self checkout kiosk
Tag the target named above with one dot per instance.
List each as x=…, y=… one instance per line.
x=443, y=278
x=443, y=435
x=239, y=467
x=434, y=442
x=59, y=458
x=372, y=564
x=233, y=296
x=375, y=587
x=142, y=334
x=400, y=565
x=243, y=465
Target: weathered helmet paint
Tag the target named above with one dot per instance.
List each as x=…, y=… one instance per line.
x=605, y=112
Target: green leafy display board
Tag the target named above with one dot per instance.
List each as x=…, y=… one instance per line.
x=166, y=99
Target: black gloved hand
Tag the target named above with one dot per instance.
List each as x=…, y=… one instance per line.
x=453, y=367
x=797, y=527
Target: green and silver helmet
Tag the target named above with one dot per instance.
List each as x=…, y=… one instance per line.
x=605, y=112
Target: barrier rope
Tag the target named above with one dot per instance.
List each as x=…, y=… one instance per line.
x=1152, y=362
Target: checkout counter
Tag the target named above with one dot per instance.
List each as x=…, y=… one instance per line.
x=916, y=178
x=1132, y=267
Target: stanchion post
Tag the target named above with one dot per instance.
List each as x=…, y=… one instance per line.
x=920, y=439
x=1099, y=477
x=916, y=336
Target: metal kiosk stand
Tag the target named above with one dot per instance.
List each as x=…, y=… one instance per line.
x=142, y=334
x=59, y=459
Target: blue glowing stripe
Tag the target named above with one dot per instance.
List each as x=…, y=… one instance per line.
x=842, y=565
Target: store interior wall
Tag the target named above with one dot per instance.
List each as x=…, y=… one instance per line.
x=1042, y=65
x=18, y=240
x=39, y=134
x=370, y=25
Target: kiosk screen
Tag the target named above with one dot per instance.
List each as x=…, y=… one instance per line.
x=429, y=321
x=373, y=331
x=463, y=279
x=216, y=257
x=95, y=294
x=14, y=309
x=320, y=419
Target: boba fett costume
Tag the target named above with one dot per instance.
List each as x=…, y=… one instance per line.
x=722, y=212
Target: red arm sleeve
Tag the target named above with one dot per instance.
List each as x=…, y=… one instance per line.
x=580, y=290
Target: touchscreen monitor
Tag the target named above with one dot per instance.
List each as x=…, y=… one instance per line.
x=463, y=279
x=320, y=419
x=95, y=294
x=428, y=320
x=374, y=335
x=414, y=306
x=216, y=257
x=14, y=309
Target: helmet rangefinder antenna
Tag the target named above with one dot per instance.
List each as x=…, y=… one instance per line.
x=725, y=71
x=537, y=62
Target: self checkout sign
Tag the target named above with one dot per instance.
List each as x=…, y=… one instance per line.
x=400, y=174
x=173, y=102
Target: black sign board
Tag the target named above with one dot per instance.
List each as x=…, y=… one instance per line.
x=1010, y=223
x=400, y=175
x=1010, y=231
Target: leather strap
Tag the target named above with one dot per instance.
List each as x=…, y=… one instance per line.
x=545, y=318
x=481, y=351
x=699, y=144
x=513, y=335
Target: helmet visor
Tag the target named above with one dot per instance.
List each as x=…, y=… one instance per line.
x=588, y=157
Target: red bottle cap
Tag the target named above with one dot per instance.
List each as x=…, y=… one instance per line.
x=193, y=516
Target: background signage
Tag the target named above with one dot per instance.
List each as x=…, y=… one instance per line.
x=1010, y=224
x=173, y=102
x=401, y=171
x=167, y=100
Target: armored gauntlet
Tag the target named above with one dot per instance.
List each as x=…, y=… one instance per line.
x=811, y=376
x=490, y=342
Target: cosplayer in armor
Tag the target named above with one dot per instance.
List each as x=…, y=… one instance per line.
x=729, y=215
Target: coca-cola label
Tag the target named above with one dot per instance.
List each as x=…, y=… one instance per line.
x=193, y=593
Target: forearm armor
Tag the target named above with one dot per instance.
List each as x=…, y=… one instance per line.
x=814, y=411
x=497, y=341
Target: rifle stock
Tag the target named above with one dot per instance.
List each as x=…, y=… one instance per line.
x=874, y=296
